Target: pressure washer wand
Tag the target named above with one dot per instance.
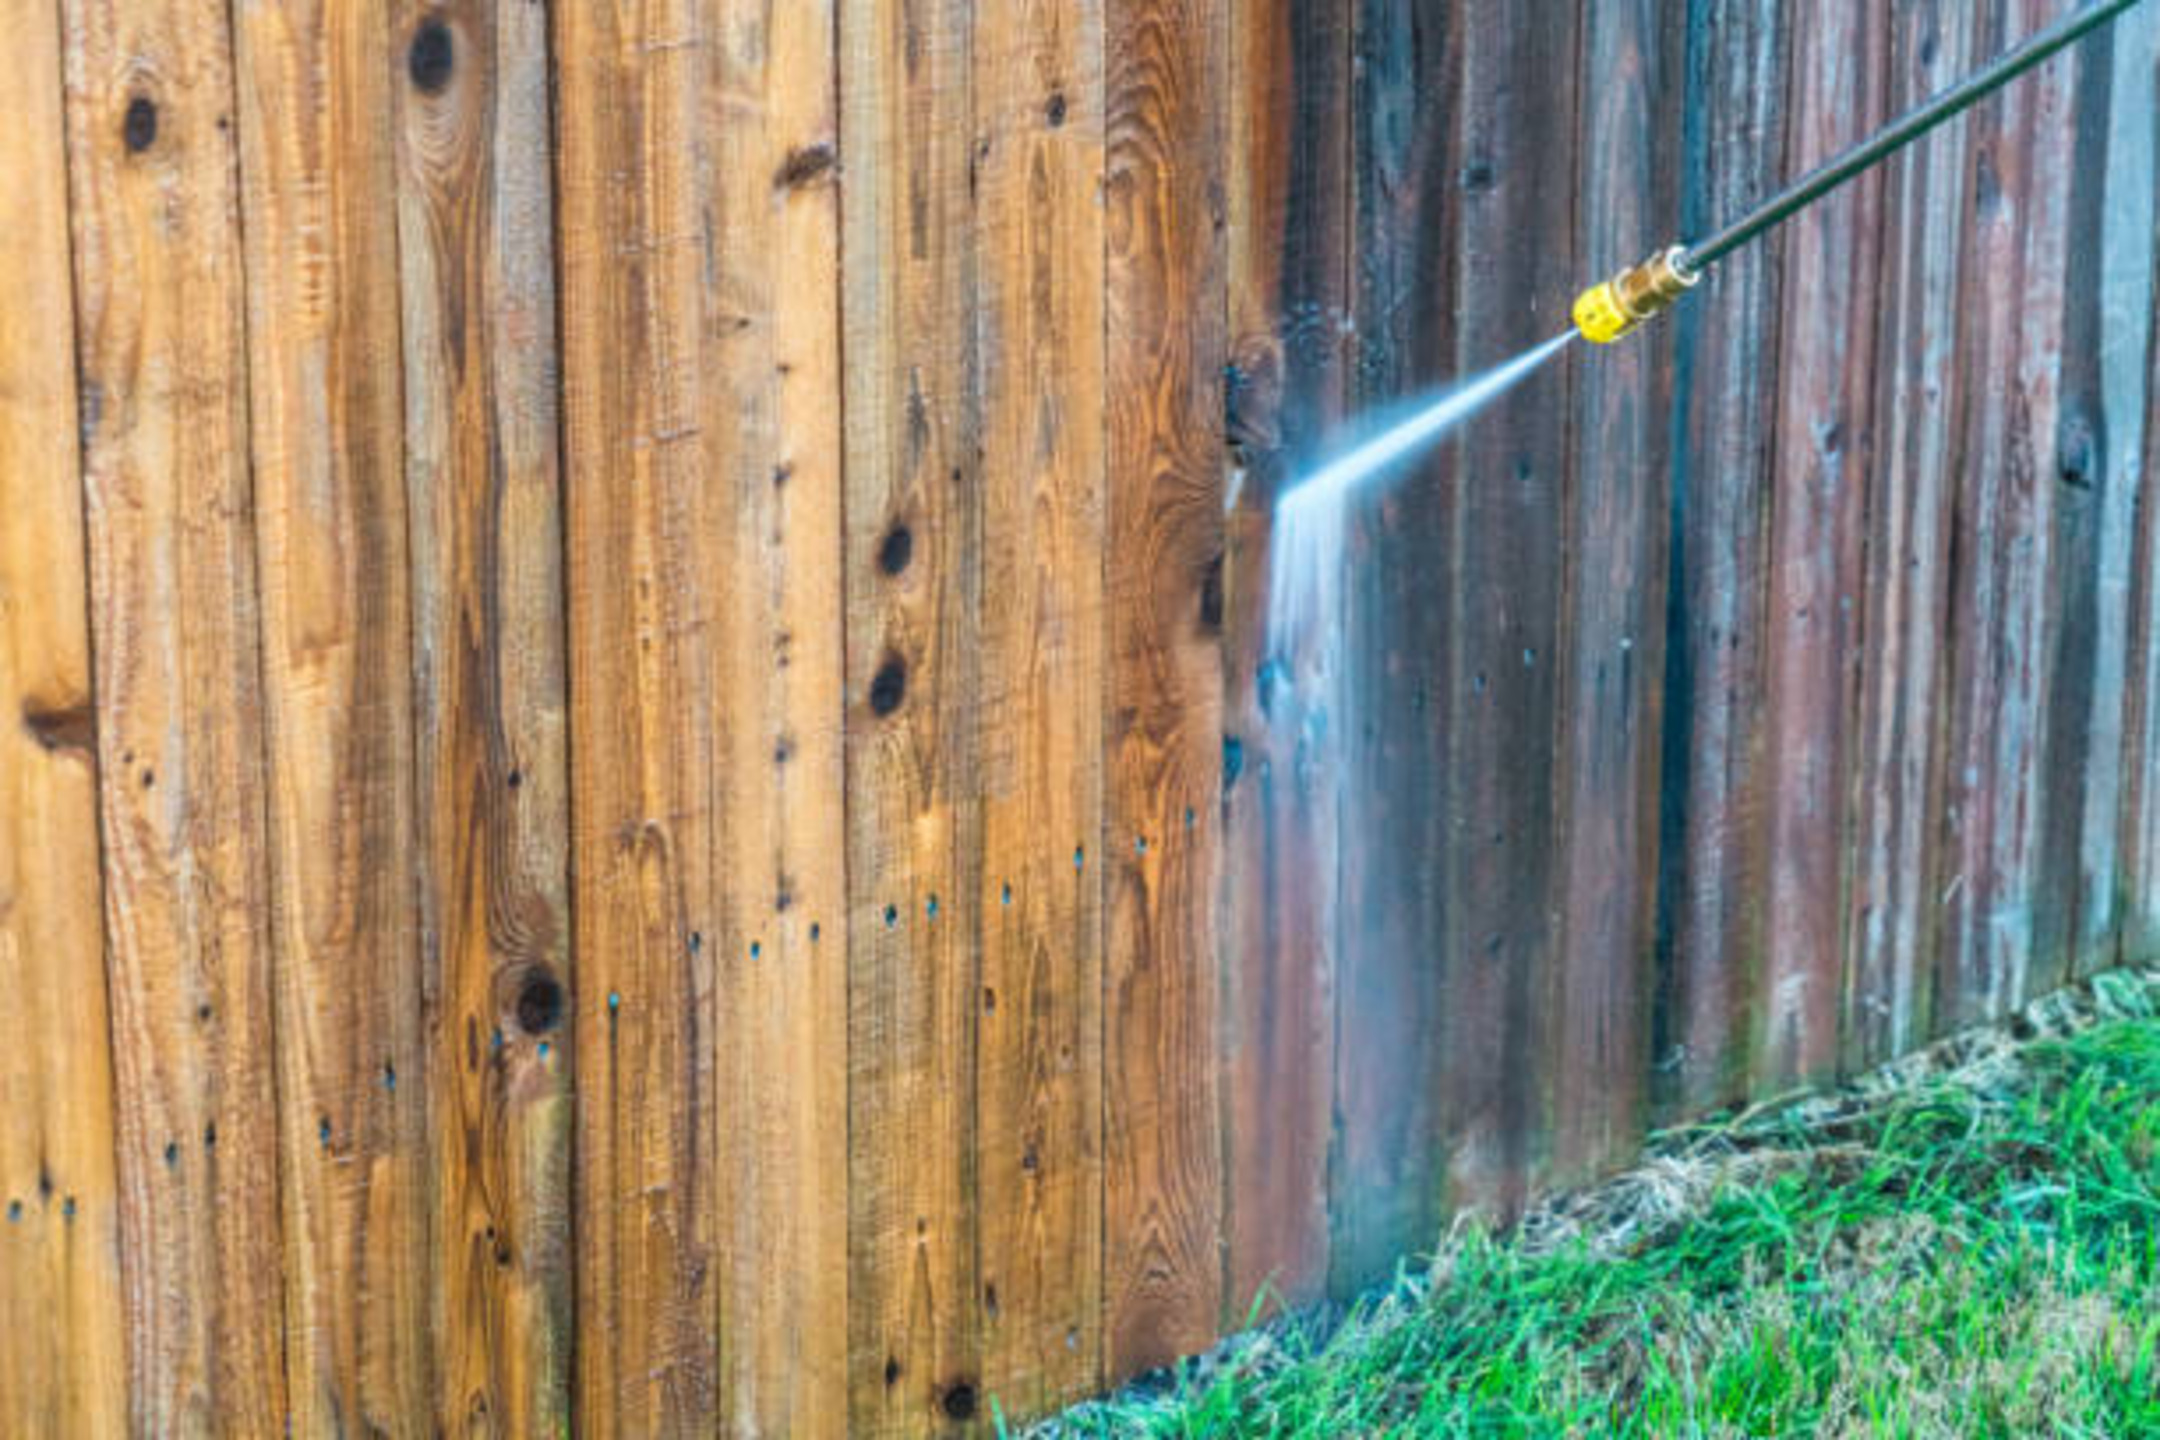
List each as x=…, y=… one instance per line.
x=1620, y=305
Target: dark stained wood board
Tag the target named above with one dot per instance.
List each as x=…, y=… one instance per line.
x=1712, y=882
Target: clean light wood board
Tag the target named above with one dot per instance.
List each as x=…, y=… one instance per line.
x=642, y=526
x=1038, y=340
x=318, y=200
x=63, y=1349
x=772, y=444
x=162, y=362
x=916, y=865
x=1166, y=326
x=483, y=498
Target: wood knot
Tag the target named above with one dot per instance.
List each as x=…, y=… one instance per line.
x=889, y=686
x=139, y=127
x=61, y=727
x=805, y=165
x=539, y=1004
x=896, y=550
x=959, y=1400
x=432, y=57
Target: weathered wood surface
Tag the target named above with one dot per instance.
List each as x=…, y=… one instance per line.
x=1595, y=1038
x=1822, y=442
x=1712, y=871
x=645, y=785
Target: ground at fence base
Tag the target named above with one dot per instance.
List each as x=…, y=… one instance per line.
x=1965, y=1241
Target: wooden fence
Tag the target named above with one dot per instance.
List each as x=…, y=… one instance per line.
x=642, y=791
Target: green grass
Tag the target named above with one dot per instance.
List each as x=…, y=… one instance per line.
x=1973, y=1251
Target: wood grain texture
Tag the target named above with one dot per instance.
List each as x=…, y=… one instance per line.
x=1038, y=90
x=2073, y=930
x=1165, y=320
x=1513, y=157
x=161, y=338
x=1823, y=442
x=1995, y=782
x=2140, y=845
x=1391, y=976
x=483, y=492
x=642, y=524
x=1595, y=1035
x=645, y=789
x=318, y=190
x=2126, y=256
x=1894, y=884
x=1289, y=262
x=63, y=1347
x=773, y=445
x=1712, y=875
x=916, y=865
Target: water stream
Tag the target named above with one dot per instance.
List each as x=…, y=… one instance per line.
x=1306, y=558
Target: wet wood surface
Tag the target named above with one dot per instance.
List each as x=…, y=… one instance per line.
x=646, y=787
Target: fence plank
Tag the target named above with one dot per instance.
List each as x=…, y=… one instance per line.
x=1288, y=172
x=2140, y=862
x=63, y=1351
x=2009, y=366
x=1165, y=318
x=774, y=436
x=915, y=860
x=1897, y=776
x=2073, y=929
x=1384, y=1187
x=641, y=557
x=1513, y=161
x=1823, y=444
x=2126, y=255
x=317, y=182
x=476, y=267
x=159, y=301
x=1038, y=87
x=1710, y=932
x=1596, y=1035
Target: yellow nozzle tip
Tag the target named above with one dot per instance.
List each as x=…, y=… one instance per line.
x=1600, y=316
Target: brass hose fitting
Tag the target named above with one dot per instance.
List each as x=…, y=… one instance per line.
x=1620, y=305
